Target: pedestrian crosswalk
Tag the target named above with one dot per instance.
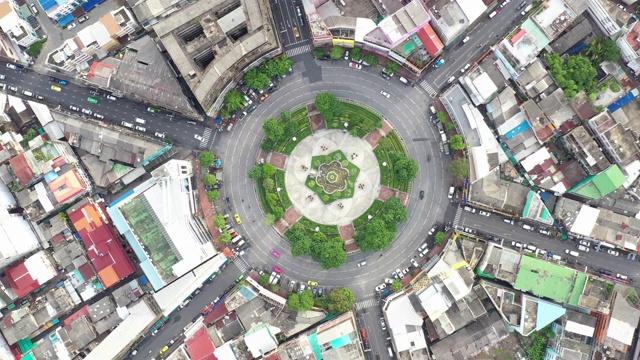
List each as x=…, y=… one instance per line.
x=205, y=138
x=298, y=50
x=366, y=304
x=241, y=264
x=456, y=220
x=430, y=90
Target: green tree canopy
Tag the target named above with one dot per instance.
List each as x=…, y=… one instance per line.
x=269, y=184
x=269, y=219
x=255, y=173
x=442, y=116
x=285, y=116
x=456, y=142
x=318, y=53
x=225, y=237
x=268, y=170
x=233, y=100
x=355, y=54
x=30, y=135
x=439, y=238
x=333, y=255
x=337, y=53
x=206, y=159
x=374, y=236
x=391, y=67
x=300, y=302
x=219, y=222
x=459, y=168
x=256, y=79
x=405, y=168
x=273, y=129
x=394, y=213
x=213, y=196
x=328, y=105
x=396, y=285
x=601, y=50
x=264, y=281
x=341, y=300
x=282, y=64
x=371, y=59
x=290, y=129
x=573, y=74
x=209, y=180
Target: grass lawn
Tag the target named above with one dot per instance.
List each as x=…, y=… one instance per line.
x=325, y=229
x=325, y=197
x=373, y=210
x=284, y=197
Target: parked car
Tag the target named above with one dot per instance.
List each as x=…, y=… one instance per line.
x=71, y=26
x=87, y=111
x=584, y=242
x=400, y=274
x=613, y=252
x=383, y=324
x=424, y=252
x=484, y=213
x=508, y=221
x=160, y=135
x=354, y=65
x=83, y=18
x=98, y=116
x=385, y=94
x=198, y=137
x=74, y=108
x=388, y=281
x=415, y=263
x=312, y=283
x=433, y=230
x=380, y=287
x=423, y=246
x=276, y=269
x=237, y=217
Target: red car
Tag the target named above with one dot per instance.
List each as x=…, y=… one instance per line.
x=275, y=253
x=276, y=269
x=354, y=65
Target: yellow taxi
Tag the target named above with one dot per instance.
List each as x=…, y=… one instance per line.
x=56, y=88
x=295, y=31
x=237, y=217
x=312, y=283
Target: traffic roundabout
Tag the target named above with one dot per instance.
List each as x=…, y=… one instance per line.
x=241, y=151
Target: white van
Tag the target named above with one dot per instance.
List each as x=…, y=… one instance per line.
x=239, y=245
x=403, y=80
x=583, y=248
x=444, y=139
x=532, y=248
x=556, y=257
x=236, y=239
x=451, y=191
x=141, y=121
x=126, y=124
x=526, y=10
x=572, y=253
x=390, y=351
x=527, y=227
x=494, y=13
x=433, y=110
x=27, y=93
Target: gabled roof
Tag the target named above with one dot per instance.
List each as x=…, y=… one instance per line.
x=21, y=168
x=199, y=345
x=597, y=186
x=430, y=40
x=66, y=186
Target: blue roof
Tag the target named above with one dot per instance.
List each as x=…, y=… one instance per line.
x=548, y=313
x=523, y=126
x=621, y=102
x=47, y=4
x=91, y=4
x=65, y=19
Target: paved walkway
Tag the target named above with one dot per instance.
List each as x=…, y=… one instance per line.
x=298, y=167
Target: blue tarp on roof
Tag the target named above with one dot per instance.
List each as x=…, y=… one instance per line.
x=63, y=21
x=517, y=130
x=621, y=102
x=91, y=4
x=47, y=4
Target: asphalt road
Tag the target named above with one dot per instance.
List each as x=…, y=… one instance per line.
x=151, y=346
x=114, y=111
x=592, y=259
x=286, y=19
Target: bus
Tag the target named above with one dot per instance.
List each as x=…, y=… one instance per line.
x=92, y=100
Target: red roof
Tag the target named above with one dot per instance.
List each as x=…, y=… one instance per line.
x=21, y=168
x=86, y=271
x=73, y=317
x=216, y=314
x=430, y=40
x=103, y=246
x=57, y=162
x=21, y=281
x=517, y=37
x=200, y=346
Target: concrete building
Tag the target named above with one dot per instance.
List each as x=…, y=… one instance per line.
x=212, y=43
x=574, y=337
x=17, y=237
x=405, y=327
x=30, y=274
x=616, y=140
x=157, y=220
x=98, y=39
x=15, y=24
x=586, y=150
x=59, y=11
x=452, y=18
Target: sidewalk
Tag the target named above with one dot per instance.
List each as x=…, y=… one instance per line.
x=206, y=209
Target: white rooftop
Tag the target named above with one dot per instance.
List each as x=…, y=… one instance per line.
x=16, y=235
x=585, y=221
x=405, y=325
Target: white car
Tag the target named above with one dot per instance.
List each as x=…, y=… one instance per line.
x=508, y=221
x=385, y=94
x=399, y=273
x=584, y=242
x=87, y=111
x=424, y=253
x=422, y=247
x=74, y=108
x=504, y=3
x=613, y=252
x=433, y=230
x=355, y=65
x=622, y=277
x=484, y=213
x=415, y=263
x=198, y=137
x=71, y=26
x=465, y=39
x=111, y=97
x=98, y=116
x=362, y=263
x=388, y=281
x=383, y=324
x=451, y=79
x=160, y=135
x=405, y=272
x=381, y=287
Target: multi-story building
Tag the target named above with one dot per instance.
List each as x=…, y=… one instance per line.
x=57, y=10
x=14, y=23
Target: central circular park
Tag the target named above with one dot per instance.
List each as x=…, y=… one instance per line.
x=333, y=179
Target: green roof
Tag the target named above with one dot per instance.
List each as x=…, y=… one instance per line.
x=581, y=281
x=597, y=186
x=545, y=279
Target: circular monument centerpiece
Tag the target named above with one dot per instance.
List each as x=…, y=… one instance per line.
x=332, y=177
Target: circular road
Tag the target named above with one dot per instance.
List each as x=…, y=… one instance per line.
x=406, y=110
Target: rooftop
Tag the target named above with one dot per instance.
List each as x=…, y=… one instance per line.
x=602, y=184
x=545, y=279
x=587, y=151
x=404, y=324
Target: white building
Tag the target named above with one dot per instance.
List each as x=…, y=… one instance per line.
x=15, y=24
x=17, y=237
x=63, y=8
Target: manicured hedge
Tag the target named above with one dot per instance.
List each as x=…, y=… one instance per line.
x=373, y=210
